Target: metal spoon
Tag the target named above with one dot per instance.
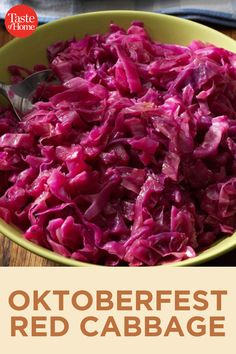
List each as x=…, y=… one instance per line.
x=20, y=95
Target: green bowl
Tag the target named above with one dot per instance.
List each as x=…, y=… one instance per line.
x=167, y=29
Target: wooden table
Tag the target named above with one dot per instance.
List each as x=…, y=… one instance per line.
x=13, y=255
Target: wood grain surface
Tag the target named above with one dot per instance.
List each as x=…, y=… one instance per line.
x=14, y=255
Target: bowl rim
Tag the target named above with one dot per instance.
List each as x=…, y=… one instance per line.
x=10, y=232
x=175, y=19
x=17, y=237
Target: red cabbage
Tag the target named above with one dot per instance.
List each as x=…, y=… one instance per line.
x=131, y=159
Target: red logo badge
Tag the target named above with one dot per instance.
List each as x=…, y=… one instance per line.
x=21, y=21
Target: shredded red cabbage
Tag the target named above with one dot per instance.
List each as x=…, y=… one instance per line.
x=131, y=160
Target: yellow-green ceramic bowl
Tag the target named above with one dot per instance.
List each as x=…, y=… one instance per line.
x=167, y=29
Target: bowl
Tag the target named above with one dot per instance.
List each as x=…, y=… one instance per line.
x=32, y=50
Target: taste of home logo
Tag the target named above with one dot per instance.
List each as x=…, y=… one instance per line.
x=21, y=21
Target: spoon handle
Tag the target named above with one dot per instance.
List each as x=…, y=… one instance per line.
x=3, y=89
